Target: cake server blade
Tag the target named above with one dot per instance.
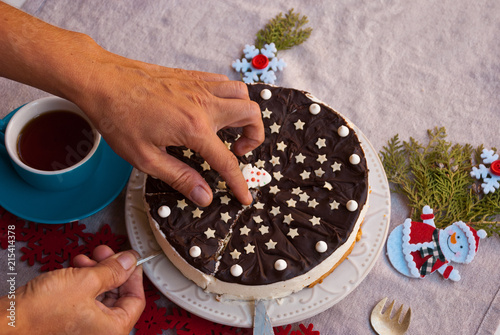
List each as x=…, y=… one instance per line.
x=261, y=322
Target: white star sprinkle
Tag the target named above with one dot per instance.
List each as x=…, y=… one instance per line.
x=275, y=160
x=275, y=211
x=181, y=204
x=300, y=158
x=257, y=219
x=336, y=166
x=291, y=203
x=225, y=200
x=275, y=128
x=315, y=221
x=321, y=143
x=293, y=232
x=319, y=172
x=197, y=213
x=288, y=219
x=321, y=159
x=328, y=186
x=313, y=203
x=205, y=166
x=187, y=153
x=305, y=175
x=249, y=248
x=299, y=125
x=210, y=233
x=274, y=189
x=266, y=114
x=225, y=217
x=260, y=163
x=304, y=197
x=244, y=230
x=296, y=190
x=248, y=154
x=277, y=175
x=228, y=145
x=235, y=254
x=221, y=185
x=281, y=146
x=271, y=244
x=258, y=205
x=334, y=205
x=264, y=230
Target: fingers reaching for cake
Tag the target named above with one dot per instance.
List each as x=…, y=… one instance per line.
x=140, y=109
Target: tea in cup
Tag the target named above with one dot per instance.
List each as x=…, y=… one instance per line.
x=52, y=144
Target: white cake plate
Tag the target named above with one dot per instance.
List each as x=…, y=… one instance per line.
x=294, y=308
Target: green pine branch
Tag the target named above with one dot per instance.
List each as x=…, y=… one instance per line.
x=438, y=174
x=284, y=31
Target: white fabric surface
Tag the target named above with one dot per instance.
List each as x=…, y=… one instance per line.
x=390, y=66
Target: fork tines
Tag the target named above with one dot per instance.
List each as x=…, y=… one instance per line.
x=384, y=324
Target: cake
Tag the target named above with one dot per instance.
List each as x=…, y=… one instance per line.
x=309, y=181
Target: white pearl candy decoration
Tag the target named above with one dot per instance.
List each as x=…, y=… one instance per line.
x=321, y=246
x=265, y=94
x=314, y=109
x=164, y=211
x=352, y=205
x=195, y=251
x=280, y=265
x=354, y=159
x=343, y=131
x=236, y=270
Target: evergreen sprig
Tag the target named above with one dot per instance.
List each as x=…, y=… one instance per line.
x=284, y=31
x=438, y=175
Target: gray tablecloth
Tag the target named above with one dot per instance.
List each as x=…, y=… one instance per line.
x=390, y=66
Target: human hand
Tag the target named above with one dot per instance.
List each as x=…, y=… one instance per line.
x=100, y=296
x=141, y=108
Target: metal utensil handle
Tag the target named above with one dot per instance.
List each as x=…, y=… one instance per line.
x=148, y=257
x=262, y=323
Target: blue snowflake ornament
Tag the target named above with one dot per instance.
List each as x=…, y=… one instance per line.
x=491, y=174
x=259, y=65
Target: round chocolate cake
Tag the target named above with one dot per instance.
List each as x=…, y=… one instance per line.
x=309, y=180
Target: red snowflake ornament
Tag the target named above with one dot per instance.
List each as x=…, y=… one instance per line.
x=306, y=331
x=104, y=236
x=52, y=244
x=282, y=331
x=153, y=320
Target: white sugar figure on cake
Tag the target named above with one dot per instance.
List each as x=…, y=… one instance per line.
x=262, y=64
x=255, y=177
x=417, y=249
x=491, y=174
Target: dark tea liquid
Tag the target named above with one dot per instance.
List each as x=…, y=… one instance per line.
x=55, y=140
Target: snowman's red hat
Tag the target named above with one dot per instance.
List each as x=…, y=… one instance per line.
x=473, y=237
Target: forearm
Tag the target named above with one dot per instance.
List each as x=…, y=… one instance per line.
x=38, y=54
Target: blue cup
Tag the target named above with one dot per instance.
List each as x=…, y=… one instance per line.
x=58, y=180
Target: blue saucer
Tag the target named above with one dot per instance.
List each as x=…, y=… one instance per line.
x=29, y=203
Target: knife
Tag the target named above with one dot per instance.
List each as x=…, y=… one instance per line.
x=148, y=257
x=261, y=322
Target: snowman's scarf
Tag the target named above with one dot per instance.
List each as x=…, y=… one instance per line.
x=435, y=253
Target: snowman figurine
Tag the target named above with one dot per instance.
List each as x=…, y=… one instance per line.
x=417, y=249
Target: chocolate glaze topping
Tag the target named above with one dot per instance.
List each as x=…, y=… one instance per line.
x=304, y=203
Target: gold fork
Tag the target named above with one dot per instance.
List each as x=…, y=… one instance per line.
x=384, y=324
